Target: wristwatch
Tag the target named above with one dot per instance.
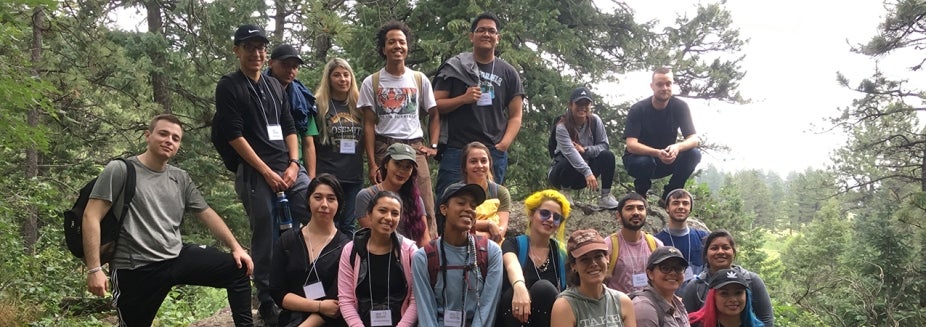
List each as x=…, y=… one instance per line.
x=295, y=161
x=434, y=146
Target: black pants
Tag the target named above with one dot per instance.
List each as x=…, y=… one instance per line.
x=138, y=293
x=563, y=175
x=542, y=294
x=645, y=168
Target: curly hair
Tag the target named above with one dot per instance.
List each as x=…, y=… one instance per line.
x=411, y=211
x=532, y=202
x=383, y=30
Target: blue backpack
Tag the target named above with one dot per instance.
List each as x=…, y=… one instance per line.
x=561, y=265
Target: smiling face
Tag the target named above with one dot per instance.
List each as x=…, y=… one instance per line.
x=591, y=267
x=730, y=299
x=460, y=212
x=340, y=81
x=667, y=276
x=398, y=172
x=633, y=214
x=477, y=166
x=545, y=225
x=679, y=208
x=720, y=253
x=385, y=216
x=485, y=36
x=396, y=47
x=580, y=109
x=323, y=203
x=251, y=55
x=164, y=139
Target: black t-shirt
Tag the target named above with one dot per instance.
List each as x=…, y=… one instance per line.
x=658, y=128
x=531, y=273
x=382, y=282
x=342, y=126
x=486, y=124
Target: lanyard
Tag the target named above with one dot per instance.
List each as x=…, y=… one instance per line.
x=672, y=239
x=370, y=276
x=320, y=254
x=470, y=248
x=263, y=85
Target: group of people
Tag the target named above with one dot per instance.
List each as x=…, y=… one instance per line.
x=393, y=253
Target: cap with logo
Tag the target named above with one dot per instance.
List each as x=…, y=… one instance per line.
x=584, y=241
x=580, y=93
x=726, y=277
x=285, y=51
x=663, y=253
x=248, y=32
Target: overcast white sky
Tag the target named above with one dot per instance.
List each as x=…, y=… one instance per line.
x=795, y=49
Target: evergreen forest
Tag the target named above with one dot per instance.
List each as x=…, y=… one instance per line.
x=841, y=245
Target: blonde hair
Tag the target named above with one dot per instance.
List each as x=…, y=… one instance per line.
x=323, y=98
x=532, y=202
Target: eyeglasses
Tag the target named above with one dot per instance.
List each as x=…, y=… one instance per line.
x=668, y=269
x=547, y=214
x=487, y=30
x=251, y=48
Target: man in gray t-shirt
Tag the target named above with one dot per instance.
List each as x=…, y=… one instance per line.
x=151, y=258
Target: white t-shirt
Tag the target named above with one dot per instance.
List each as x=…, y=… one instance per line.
x=397, y=102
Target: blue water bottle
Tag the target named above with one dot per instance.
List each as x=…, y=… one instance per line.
x=284, y=215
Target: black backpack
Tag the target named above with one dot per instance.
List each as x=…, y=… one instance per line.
x=551, y=142
x=109, y=226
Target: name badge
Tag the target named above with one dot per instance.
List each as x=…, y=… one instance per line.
x=348, y=146
x=453, y=318
x=689, y=273
x=639, y=280
x=485, y=99
x=314, y=291
x=381, y=318
x=275, y=132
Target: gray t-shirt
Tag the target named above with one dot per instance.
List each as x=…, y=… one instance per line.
x=151, y=231
x=589, y=312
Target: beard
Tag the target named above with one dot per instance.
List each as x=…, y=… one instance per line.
x=629, y=225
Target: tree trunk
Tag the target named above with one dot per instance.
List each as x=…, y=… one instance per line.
x=279, y=22
x=159, y=80
x=923, y=171
x=30, y=227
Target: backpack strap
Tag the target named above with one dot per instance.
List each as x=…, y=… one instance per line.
x=434, y=266
x=561, y=264
x=128, y=193
x=615, y=250
x=522, y=249
x=659, y=303
x=493, y=190
x=650, y=240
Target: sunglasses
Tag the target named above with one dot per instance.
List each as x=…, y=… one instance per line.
x=547, y=214
x=668, y=269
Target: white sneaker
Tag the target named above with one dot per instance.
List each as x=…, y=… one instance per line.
x=607, y=201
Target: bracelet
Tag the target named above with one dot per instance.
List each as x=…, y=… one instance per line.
x=100, y=268
x=295, y=161
x=516, y=282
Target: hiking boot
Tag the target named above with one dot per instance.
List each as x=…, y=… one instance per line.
x=607, y=201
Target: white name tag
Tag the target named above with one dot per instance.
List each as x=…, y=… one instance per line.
x=453, y=318
x=485, y=99
x=275, y=132
x=314, y=291
x=348, y=146
x=689, y=274
x=381, y=318
x=640, y=280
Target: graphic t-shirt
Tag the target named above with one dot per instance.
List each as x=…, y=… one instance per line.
x=334, y=157
x=397, y=103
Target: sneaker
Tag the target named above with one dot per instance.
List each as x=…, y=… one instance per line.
x=607, y=201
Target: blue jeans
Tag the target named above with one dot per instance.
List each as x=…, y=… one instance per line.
x=645, y=168
x=449, y=171
x=346, y=222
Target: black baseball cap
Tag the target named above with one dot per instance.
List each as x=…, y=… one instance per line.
x=248, y=31
x=664, y=253
x=285, y=51
x=726, y=277
x=457, y=189
x=580, y=93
